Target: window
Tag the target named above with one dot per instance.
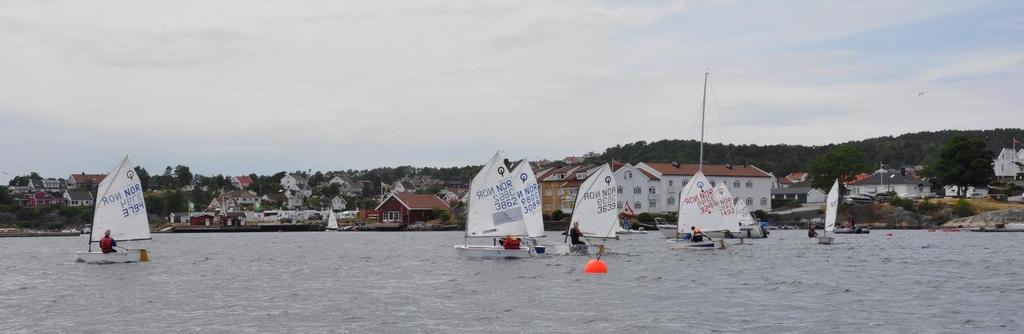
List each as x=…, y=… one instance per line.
x=712, y=182
x=637, y=205
x=736, y=184
x=670, y=183
x=560, y=176
x=629, y=175
x=547, y=192
x=652, y=203
x=620, y=191
x=685, y=182
x=651, y=190
x=581, y=175
x=548, y=206
x=671, y=200
x=620, y=205
x=750, y=184
x=392, y=216
x=764, y=201
x=636, y=190
x=750, y=201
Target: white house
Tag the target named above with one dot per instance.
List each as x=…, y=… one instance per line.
x=889, y=181
x=347, y=187
x=78, y=198
x=800, y=194
x=638, y=189
x=746, y=183
x=1008, y=165
x=296, y=189
x=338, y=203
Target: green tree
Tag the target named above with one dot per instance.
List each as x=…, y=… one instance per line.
x=143, y=176
x=842, y=162
x=962, y=162
x=182, y=176
x=5, y=196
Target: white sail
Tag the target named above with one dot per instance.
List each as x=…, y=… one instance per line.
x=832, y=207
x=528, y=194
x=494, y=208
x=332, y=221
x=744, y=214
x=730, y=217
x=596, y=208
x=699, y=206
x=120, y=206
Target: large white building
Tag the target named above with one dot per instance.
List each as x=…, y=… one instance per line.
x=637, y=189
x=296, y=189
x=1009, y=165
x=746, y=183
x=883, y=181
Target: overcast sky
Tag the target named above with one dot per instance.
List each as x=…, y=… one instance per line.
x=262, y=86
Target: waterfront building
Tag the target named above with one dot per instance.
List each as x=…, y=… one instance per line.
x=883, y=181
x=408, y=208
x=748, y=184
x=1009, y=165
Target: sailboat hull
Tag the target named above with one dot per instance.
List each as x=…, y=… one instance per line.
x=825, y=240
x=569, y=249
x=122, y=256
x=703, y=245
x=492, y=252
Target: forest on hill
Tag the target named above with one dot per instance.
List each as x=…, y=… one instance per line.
x=908, y=149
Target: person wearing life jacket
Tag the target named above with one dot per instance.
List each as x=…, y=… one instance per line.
x=696, y=235
x=575, y=234
x=511, y=242
x=107, y=244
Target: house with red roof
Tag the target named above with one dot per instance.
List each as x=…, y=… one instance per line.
x=39, y=198
x=85, y=181
x=241, y=181
x=746, y=183
x=408, y=208
x=559, y=185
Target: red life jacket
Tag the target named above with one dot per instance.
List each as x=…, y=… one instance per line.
x=107, y=244
x=512, y=243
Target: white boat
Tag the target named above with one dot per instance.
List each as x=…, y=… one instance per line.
x=121, y=209
x=596, y=212
x=496, y=209
x=627, y=232
x=332, y=221
x=831, y=209
x=699, y=205
x=749, y=227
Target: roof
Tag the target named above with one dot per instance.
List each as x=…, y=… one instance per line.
x=649, y=175
x=244, y=179
x=796, y=176
x=792, y=190
x=890, y=178
x=709, y=170
x=77, y=195
x=84, y=178
x=785, y=181
x=418, y=201
x=299, y=178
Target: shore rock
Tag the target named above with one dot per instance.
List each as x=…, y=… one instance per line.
x=988, y=219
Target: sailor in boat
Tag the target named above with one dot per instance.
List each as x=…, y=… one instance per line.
x=575, y=234
x=696, y=236
x=811, y=233
x=625, y=222
x=107, y=244
x=510, y=242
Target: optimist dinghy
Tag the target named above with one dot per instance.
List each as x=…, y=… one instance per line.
x=120, y=208
x=503, y=203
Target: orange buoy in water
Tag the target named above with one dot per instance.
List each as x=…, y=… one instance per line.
x=595, y=266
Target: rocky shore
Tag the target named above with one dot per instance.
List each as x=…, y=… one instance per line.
x=988, y=219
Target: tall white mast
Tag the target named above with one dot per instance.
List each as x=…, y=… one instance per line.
x=703, y=103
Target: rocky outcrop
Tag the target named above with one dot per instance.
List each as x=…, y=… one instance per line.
x=882, y=216
x=988, y=219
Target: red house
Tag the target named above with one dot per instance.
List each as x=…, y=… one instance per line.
x=407, y=208
x=40, y=198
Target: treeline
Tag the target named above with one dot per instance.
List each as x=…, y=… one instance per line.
x=909, y=149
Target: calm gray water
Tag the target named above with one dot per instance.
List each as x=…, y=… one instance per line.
x=313, y=282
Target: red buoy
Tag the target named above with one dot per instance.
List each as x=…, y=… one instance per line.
x=595, y=266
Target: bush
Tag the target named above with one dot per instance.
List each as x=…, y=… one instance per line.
x=784, y=203
x=963, y=208
x=645, y=217
x=926, y=206
x=557, y=215
x=906, y=204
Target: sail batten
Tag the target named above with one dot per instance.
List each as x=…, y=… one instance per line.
x=120, y=206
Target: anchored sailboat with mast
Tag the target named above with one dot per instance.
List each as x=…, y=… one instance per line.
x=120, y=209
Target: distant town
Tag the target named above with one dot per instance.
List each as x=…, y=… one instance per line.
x=397, y=198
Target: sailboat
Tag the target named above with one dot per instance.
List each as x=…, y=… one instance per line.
x=596, y=212
x=698, y=203
x=121, y=209
x=831, y=209
x=496, y=210
x=749, y=228
x=332, y=221
x=730, y=217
